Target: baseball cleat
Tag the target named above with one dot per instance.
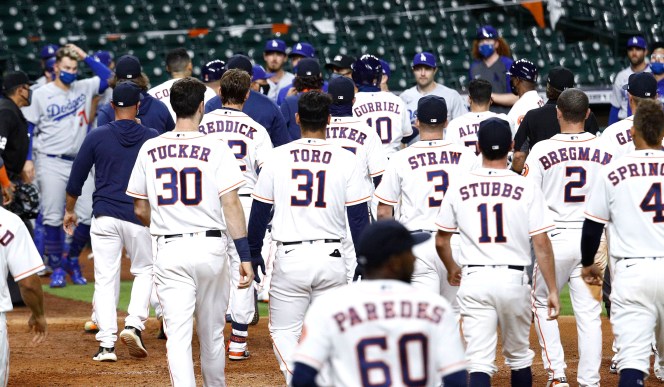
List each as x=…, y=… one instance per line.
x=558, y=382
x=659, y=373
x=162, y=333
x=74, y=271
x=131, y=337
x=58, y=278
x=90, y=327
x=238, y=355
x=613, y=368
x=105, y=354
x=257, y=316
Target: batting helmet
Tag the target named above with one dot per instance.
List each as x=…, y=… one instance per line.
x=26, y=201
x=367, y=71
x=213, y=70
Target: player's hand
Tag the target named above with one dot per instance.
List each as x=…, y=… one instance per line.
x=38, y=326
x=70, y=222
x=79, y=52
x=256, y=263
x=291, y=91
x=553, y=304
x=359, y=273
x=592, y=275
x=454, y=275
x=8, y=194
x=28, y=174
x=246, y=275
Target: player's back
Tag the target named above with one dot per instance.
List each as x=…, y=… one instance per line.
x=386, y=114
x=527, y=102
x=379, y=330
x=162, y=92
x=617, y=138
x=565, y=167
x=463, y=130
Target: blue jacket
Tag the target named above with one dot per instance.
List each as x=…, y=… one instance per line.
x=152, y=112
x=281, y=97
x=262, y=110
x=288, y=109
x=112, y=149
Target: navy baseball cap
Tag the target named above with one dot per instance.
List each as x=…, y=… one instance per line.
x=560, y=78
x=48, y=51
x=342, y=90
x=487, y=32
x=523, y=69
x=643, y=85
x=15, y=79
x=50, y=62
x=494, y=136
x=275, y=45
x=128, y=67
x=386, y=67
x=103, y=57
x=260, y=73
x=213, y=70
x=381, y=240
x=424, y=58
x=126, y=94
x=637, y=41
x=303, y=49
x=308, y=67
x=432, y=110
x=241, y=62
x=340, y=61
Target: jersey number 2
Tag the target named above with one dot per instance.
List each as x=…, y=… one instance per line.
x=652, y=202
x=569, y=171
x=375, y=368
x=484, y=226
x=178, y=187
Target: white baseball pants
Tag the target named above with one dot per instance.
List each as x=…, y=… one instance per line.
x=430, y=273
x=241, y=303
x=4, y=351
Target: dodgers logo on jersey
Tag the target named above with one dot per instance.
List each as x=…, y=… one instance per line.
x=58, y=112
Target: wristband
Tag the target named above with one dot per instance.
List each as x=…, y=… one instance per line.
x=242, y=247
x=4, y=179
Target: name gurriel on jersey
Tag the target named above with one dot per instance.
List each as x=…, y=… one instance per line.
x=636, y=170
x=574, y=153
x=228, y=126
x=433, y=158
x=371, y=107
x=179, y=151
x=388, y=310
x=345, y=132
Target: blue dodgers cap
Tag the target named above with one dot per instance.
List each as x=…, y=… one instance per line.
x=523, y=69
x=260, y=73
x=128, y=67
x=48, y=51
x=381, y=240
x=642, y=85
x=342, y=90
x=275, y=45
x=303, y=49
x=126, y=94
x=386, y=67
x=494, y=136
x=487, y=32
x=432, y=110
x=213, y=70
x=103, y=57
x=637, y=41
x=424, y=58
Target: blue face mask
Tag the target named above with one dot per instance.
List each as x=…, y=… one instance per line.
x=657, y=68
x=486, y=50
x=67, y=78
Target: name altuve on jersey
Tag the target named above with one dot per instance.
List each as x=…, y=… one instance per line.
x=388, y=310
x=433, y=158
x=636, y=170
x=228, y=126
x=574, y=153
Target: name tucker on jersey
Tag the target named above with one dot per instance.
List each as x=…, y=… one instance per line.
x=574, y=153
x=433, y=158
x=386, y=310
x=228, y=126
x=179, y=151
x=371, y=107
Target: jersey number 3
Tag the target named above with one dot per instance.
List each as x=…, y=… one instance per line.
x=374, y=367
x=177, y=187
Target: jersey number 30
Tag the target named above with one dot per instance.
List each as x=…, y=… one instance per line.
x=178, y=186
x=377, y=373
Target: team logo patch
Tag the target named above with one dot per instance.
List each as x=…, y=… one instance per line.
x=275, y=44
x=423, y=57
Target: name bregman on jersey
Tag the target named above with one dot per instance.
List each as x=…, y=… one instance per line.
x=371, y=107
x=636, y=170
x=574, y=153
x=179, y=151
x=228, y=126
x=347, y=133
x=433, y=158
x=388, y=310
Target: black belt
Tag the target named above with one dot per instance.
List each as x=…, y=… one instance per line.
x=513, y=267
x=420, y=230
x=244, y=195
x=64, y=157
x=300, y=242
x=208, y=233
x=641, y=257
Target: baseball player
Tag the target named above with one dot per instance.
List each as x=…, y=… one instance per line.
x=637, y=50
x=274, y=55
x=300, y=50
x=112, y=150
x=628, y=197
x=383, y=111
x=178, y=65
x=523, y=80
x=45, y=54
x=382, y=329
x=211, y=73
x=19, y=257
x=463, y=129
x=259, y=80
x=60, y=114
x=251, y=144
x=308, y=77
x=417, y=178
x=310, y=183
x=181, y=185
x=565, y=167
x=497, y=212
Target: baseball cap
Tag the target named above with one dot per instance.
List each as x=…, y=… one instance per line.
x=523, y=69
x=240, y=62
x=340, y=61
x=275, y=45
x=303, y=49
x=103, y=57
x=560, y=78
x=643, y=85
x=260, y=73
x=637, y=41
x=494, y=136
x=342, y=90
x=213, y=70
x=50, y=62
x=48, y=51
x=126, y=94
x=487, y=32
x=128, y=67
x=424, y=58
x=386, y=67
x=308, y=67
x=432, y=110
x=14, y=79
x=382, y=239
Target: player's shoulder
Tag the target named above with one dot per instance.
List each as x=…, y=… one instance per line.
x=445, y=91
x=10, y=221
x=409, y=94
x=616, y=127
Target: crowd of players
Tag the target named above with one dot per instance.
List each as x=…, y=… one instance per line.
x=112, y=155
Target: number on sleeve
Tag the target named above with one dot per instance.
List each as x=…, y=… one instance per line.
x=308, y=188
x=181, y=180
x=581, y=182
x=484, y=224
x=240, y=149
x=652, y=202
x=377, y=373
x=383, y=128
x=442, y=187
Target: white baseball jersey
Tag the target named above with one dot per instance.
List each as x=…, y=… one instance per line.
x=18, y=255
x=163, y=93
x=378, y=330
x=417, y=177
x=463, y=130
x=356, y=136
x=628, y=196
x=456, y=106
x=565, y=166
x=495, y=211
x=527, y=102
x=310, y=182
x=247, y=138
x=386, y=114
x=617, y=138
x=61, y=117
x=618, y=97
x=183, y=176
x=286, y=81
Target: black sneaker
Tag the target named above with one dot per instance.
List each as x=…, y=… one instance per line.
x=105, y=354
x=131, y=337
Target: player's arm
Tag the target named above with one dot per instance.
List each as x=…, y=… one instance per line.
x=591, y=236
x=142, y=211
x=234, y=215
x=444, y=249
x=544, y=255
x=31, y=292
x=504, y=99
x=80, y=171
x=520, y=146
x=385, y=211
x=358, y=219
x=98, y=68
x=304, y=376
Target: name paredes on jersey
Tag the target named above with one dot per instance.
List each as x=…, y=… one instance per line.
x=574, y=153
x=228, y=126
x=58, y=112
x=388, y=310
x=371, y=107
x=179, y=151
x=347, y=133
x=433, y=158
x=311, y=156
x=636, y=170
x=486, y=189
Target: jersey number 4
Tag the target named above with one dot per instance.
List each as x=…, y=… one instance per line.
x=652, y=202
x=307, y=188
x=185, y=186
x=380, y=370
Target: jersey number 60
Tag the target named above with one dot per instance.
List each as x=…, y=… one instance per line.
x=376, y=367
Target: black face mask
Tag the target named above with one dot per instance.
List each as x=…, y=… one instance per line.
x=264, y=89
